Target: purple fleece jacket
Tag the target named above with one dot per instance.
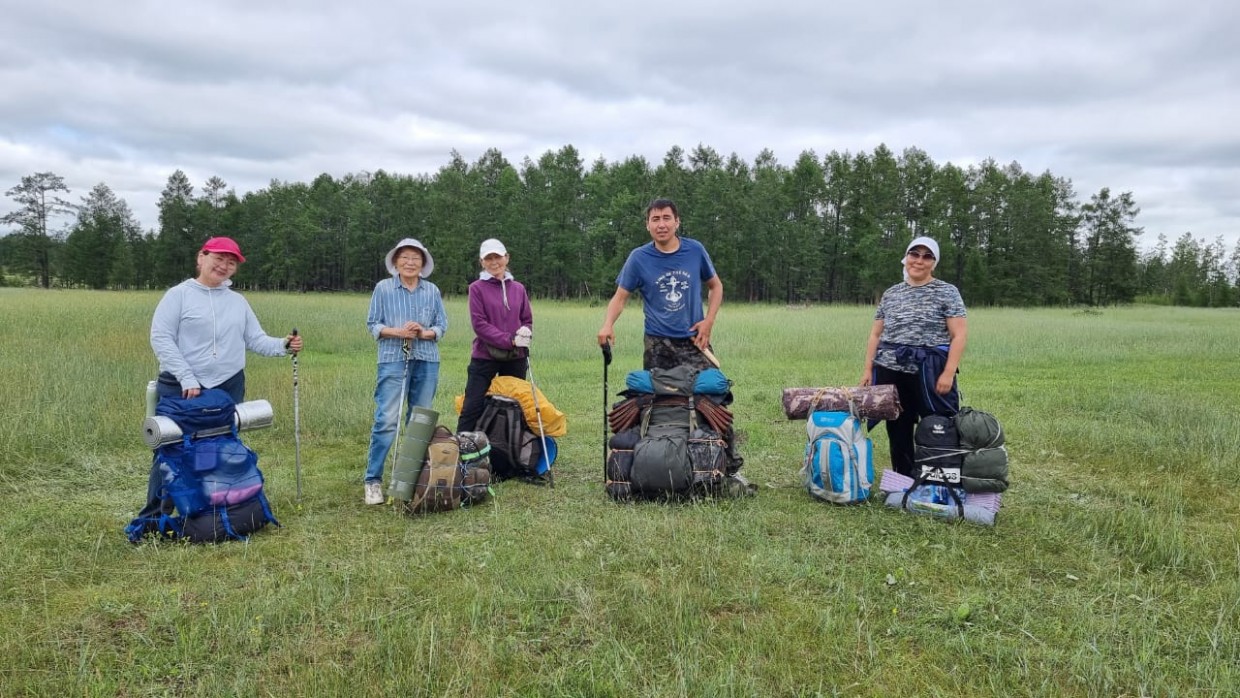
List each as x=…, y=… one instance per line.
x=494, y=323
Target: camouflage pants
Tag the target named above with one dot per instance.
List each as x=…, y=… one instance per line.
x=668, y=352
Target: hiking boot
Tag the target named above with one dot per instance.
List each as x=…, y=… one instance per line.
x=374, y=493
x=735, y=485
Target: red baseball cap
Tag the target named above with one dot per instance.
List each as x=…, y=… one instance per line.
x=225, y=245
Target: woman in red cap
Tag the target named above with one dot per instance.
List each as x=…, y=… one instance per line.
x=202, y=328
x=200, y=332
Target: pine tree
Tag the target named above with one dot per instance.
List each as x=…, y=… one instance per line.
x=38, y=204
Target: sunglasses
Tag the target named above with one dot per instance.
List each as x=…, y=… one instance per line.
x=921, y=255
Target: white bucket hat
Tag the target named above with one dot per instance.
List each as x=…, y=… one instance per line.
x=429, y=262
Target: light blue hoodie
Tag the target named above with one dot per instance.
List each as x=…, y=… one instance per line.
x=200, y=334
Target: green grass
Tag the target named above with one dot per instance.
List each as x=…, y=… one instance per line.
x=1114, y=569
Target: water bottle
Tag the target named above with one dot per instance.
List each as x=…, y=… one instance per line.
x=936, y=495
x=152, y=397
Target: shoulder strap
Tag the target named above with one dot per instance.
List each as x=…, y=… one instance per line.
x=489, y=410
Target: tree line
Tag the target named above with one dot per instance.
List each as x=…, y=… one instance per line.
x=823, y=229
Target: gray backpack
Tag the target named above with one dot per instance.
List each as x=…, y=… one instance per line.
x=671, y=448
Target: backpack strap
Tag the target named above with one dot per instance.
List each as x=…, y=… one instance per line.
x=271, y=518
x=165, y=525
x=853, y=412
x=228, y=525
x=488, y=413
x=815, y=400
x=515, y=425
x=170, y=525
x=262, y=501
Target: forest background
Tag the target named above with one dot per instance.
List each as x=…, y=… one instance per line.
x=825, y=229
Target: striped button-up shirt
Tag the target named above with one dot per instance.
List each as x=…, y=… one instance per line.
x=392, y=305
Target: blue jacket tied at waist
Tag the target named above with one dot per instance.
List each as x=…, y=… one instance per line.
x=930, y=362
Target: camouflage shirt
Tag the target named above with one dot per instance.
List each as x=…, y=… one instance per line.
x=915, y=316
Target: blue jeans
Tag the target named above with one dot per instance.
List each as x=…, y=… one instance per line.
x=422, y=381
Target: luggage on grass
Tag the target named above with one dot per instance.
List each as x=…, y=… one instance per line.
x=211, y=489
x=966, y=449
x=475, y=454
x=839, y=458
x=669, y=440
x=516, y=450
x=441, y=481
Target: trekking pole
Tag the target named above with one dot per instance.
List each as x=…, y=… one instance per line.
x=606, y=347
x=296, y=423
x=538, y=412
x=400, y=406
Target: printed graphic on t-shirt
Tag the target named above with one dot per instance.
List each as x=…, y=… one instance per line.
x=672, y=285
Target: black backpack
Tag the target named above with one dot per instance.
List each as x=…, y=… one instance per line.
x=516, y=450
x=936, y=450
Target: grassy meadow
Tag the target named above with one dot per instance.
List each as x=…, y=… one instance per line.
x=1114, y=569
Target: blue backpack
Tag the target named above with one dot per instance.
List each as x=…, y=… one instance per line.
x=212, y=487
x=839, y=458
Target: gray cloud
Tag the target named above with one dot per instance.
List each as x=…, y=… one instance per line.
x=1139, y=97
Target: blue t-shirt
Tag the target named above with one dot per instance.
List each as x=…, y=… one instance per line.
x=670, y=284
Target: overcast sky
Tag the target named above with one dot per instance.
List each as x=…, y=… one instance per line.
x=1136, y=96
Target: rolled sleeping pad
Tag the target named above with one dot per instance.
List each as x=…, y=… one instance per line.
x=250, y=415
x=254, y=414
x=413, y=446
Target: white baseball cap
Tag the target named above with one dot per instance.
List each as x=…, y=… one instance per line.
x=491, y=246
x=927, y=243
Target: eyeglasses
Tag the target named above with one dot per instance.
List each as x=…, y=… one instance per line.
x=921, y=255
x=409, y=258
x=224, y=258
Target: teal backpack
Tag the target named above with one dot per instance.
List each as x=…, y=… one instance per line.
x=839, y=458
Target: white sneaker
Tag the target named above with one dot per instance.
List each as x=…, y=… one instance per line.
x=374, y=493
